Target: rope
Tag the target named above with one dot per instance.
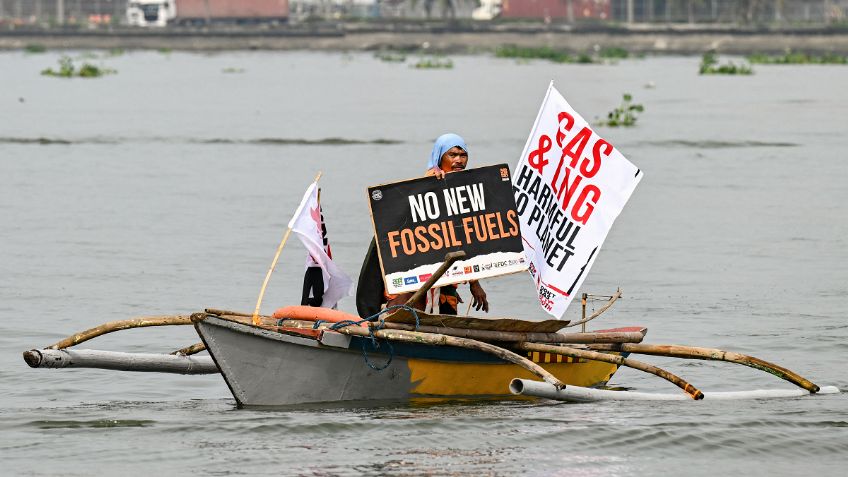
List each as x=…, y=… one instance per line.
x=380, y=325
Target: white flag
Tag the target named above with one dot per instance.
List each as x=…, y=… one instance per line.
x=570, y=185
x=306, y=223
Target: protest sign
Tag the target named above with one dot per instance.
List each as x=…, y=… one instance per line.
x=418, y=221
x=570, y=185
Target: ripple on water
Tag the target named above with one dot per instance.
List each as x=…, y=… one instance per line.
x=93, y=424
x=262, y=141
x=714, y=144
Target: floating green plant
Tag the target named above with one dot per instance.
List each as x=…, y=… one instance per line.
x=390, y=56
x=613, y=53
x=523, y=54
x=794, y=58
x=67, y=69
x=711, y=66
x=530, y=53
x=164, y=51
x=35, y=48
x=232, y=70
x=116, y=52
x=584, y=58
x=434, y=63
x=625, y=114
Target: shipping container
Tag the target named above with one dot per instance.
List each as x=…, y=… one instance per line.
x=556, y=9
x=232, y=10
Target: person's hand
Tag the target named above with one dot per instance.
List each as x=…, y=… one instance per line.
x=478, y=296
x=438, y=173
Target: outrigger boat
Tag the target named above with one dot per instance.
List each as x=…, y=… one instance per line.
x=306, y=354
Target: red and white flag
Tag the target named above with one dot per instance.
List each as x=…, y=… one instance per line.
x=570, y=185
x=308, y=224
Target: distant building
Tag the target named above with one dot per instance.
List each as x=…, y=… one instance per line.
x=97, y=12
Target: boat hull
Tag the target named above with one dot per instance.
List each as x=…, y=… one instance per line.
x=268, y=368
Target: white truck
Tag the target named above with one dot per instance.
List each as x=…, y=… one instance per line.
x=151, y=13
x=159, y=13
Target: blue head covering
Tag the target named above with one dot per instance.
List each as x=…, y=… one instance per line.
x=443, y=143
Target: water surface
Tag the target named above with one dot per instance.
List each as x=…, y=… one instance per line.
x=166, y=188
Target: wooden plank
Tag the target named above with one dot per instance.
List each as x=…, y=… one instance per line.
x=466, y=322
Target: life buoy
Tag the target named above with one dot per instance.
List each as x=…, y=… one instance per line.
x=312, y=313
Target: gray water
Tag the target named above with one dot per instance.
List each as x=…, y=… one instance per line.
x=166, y=188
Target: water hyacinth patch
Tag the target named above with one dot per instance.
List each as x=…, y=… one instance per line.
x=390, y=56
x=623, y=115
x=599, y=55
x=434, y=63
x=711, y=66
x=795, y=58
x=33, y=48
x=67, y=69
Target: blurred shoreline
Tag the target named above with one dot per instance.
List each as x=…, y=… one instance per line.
x=439, y=38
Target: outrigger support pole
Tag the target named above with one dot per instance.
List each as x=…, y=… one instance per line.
x=692, y=391
x=112, y=326
x=711, y=354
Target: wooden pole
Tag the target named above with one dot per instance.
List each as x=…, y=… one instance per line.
x=111, y=326
x=450, y=258
x=190, y=350
x=583, y=314
x=487, y=335
x=511, y=336
x=692, y=391
x=711, y=354
x=256, y=319
x=615, y=296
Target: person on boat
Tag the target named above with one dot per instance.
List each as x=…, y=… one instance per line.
x=449, y=154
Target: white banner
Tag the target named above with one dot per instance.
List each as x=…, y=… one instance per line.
x=307, y=224
x=570, y=185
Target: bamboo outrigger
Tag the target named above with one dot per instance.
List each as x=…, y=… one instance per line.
x=304, y=354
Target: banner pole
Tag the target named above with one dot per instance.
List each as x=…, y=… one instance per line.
x=256, y=320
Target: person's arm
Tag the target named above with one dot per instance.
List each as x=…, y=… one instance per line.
x=478, y=295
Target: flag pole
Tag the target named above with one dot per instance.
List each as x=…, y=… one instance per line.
x=256, y=320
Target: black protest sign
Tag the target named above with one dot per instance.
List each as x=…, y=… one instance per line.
x=418, y=221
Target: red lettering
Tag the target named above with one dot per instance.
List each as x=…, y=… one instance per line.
x=537, y=158
x=556, y=176
x=569, y=123
x=590, y=207
x=601, y=148
x=575, y=147
x=566, y=190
